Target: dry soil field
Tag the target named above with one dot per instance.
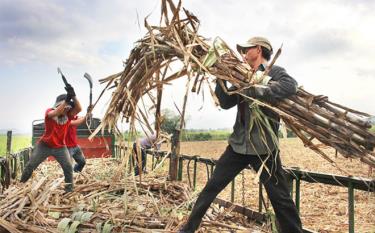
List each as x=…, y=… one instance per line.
x=323, y=208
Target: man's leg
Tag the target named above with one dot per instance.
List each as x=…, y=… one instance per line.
x=40, y=153
x=228, y=166
x=144, y=159
x=134, y=159
x=79, y=158
x=62, y=156
x=278, y=192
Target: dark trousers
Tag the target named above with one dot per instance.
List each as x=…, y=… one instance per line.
x=232, y=163
x=40, y=153
x=78, y=157
x=143, y=159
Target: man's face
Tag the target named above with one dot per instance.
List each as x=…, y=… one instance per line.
x=251, y=54
x=66, y=109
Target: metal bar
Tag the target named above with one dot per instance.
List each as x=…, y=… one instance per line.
x=207, y=172
x=291, y=188
x=298, y=193
x=180, y=167
x=351, y=207
x=113, y=139
x=14, y=168
x=360, y=183
x=195, y=174
x=289, y=180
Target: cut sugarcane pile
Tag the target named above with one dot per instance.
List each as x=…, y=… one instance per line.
x=99, y=203
x=176, y=40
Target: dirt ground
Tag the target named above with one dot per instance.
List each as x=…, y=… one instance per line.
x=324, y=208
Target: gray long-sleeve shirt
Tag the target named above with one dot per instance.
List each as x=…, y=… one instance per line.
x=246, y=141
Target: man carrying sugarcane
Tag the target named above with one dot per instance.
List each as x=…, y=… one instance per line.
x=254, y=140
x=52, y=142
x=71, y=140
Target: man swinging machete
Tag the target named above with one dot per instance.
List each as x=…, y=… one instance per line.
x=53, y=142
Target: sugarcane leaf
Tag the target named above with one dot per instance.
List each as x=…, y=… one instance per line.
x=74, y=226
x=86, y=216
x=77, y=215
x=63, y=224
x=53, y=214
x=98, y=227
x=107, y=227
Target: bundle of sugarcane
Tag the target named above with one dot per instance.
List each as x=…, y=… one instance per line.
x=177, y=41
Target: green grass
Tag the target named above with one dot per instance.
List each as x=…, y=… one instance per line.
x=192, y=135
x=205, y=135
x=18, y=142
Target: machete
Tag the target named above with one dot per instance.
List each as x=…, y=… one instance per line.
x=89, y=120
x=88, y=77
x=63, y=77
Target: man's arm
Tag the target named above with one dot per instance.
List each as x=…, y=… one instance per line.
x=226, y=101
x=57, y=111
x=78, y=121
x=77, y=107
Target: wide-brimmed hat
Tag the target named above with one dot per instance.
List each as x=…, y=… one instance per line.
x=254, y=41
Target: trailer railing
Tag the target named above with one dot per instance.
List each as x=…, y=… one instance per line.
x=9, y=168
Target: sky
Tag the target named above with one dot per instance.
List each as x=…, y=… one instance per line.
x=328, y=47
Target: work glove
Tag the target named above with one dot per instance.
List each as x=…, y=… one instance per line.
x=71, y=103
x=261, y=93
x=68, y=98
x=70, y=91
x=89, y=108
x=89, y=113
x=257, y=92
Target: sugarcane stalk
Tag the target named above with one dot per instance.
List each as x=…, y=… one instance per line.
x=318, y=119
x=340, y=111
x=333, y=118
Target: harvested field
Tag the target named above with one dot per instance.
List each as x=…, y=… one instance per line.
x=323, y=207
x=98, y=203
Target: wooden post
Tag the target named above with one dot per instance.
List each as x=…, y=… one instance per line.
x=8, y=161
x=173, y=164
x=9, y=142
